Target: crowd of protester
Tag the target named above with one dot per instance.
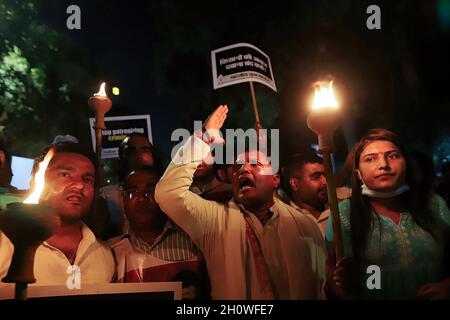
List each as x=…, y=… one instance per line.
x=243, y=230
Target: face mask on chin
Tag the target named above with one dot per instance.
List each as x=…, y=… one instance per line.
x=365, y=190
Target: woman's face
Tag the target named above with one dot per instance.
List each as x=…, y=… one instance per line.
x=382, y=166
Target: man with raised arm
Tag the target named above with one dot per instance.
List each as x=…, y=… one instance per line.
x=255, y=246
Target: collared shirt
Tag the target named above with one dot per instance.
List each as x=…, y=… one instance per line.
x=172, y=254
x=51, y=266
x=171, y=245
x=342, y=194
x=322, y=220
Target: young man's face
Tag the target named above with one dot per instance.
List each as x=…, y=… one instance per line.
x=253, y=181
x=309, y=185
x=69, y=185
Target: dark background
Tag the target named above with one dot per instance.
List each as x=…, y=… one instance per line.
x=158, y=54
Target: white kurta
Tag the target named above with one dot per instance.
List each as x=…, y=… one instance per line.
x=219, y=232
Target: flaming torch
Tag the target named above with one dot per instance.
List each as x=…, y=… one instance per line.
x=324, y=118
x=100, y=104
x=27, y=225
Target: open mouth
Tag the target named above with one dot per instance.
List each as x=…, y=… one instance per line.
x=245, y=183
x=74, y=198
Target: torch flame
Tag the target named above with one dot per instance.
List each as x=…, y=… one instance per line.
x=39, y=178
x=101, y=91
x=324, y=97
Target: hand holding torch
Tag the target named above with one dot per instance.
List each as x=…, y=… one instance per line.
x=324, y=118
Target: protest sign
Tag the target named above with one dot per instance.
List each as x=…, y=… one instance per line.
x=117, y=128
x=241, y=62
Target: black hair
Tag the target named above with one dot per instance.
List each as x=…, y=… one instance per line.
x=295, y=163
x=66, y=147
x=124, y=168
x=416, y=201
x=153, y=170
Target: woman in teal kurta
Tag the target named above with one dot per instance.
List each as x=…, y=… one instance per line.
x=407, y=255
x=407, y=247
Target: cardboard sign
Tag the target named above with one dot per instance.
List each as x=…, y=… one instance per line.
x=110, y=291
x=241, y=62
x=117, y=128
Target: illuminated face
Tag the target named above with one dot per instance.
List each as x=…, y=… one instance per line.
x=253, y=181
x=382, y=166
x=138, y=153
x=69, y=185
x=310, y=185
x=139, y=197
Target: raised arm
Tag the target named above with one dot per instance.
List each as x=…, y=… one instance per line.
x=199, y=218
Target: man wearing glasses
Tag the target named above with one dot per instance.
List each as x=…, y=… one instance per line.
x=135, y=152
x=155, y=249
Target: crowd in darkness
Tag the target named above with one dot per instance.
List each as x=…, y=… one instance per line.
x=242, y=230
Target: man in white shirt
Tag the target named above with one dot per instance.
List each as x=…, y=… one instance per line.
x=255, y=246
x=69, y=188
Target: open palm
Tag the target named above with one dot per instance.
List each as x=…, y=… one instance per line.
x=217, y=118
x=215, y=122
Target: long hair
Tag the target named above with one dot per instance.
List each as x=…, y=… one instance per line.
x=416, y=200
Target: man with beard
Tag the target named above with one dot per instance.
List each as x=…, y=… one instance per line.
x=69, y=188
x=305, y=183
x=255, y=246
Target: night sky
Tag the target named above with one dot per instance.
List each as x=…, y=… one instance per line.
x=396, y=77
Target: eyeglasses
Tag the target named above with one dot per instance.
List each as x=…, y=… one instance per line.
x=134, y=193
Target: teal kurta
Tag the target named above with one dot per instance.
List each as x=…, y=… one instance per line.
x=407, y=255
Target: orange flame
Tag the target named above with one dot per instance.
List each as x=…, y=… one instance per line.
x=324, y=97
x=39, y=178
x=101, y=91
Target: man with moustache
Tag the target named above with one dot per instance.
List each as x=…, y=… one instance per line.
x=255, y=246
x=135, y=152
x=69, y=188
x=305, y=183
x=155, y=249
